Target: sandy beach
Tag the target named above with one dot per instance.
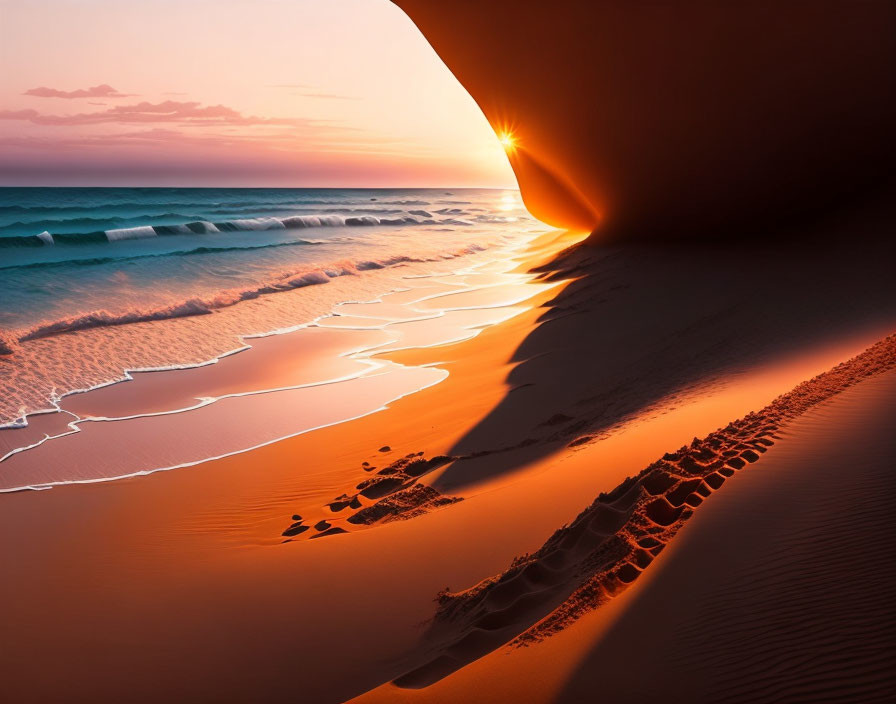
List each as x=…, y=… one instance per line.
x=207, y=583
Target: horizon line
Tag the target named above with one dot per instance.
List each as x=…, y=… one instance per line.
x=285, y=188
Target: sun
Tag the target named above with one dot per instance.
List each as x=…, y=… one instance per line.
x=507, y=140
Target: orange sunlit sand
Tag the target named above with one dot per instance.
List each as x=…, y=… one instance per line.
x=209, y=540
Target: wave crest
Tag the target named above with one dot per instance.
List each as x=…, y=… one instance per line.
x=199, y=305
x=202, y=227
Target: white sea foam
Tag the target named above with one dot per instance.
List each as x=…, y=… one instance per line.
x=29, y=467
x=200, y=305
x=251, y=224
x=130, y=233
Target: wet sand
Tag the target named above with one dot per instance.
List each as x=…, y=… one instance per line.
x=276, y=386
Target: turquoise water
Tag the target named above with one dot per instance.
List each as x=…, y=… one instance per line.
x=71, y=251
x=126, y=264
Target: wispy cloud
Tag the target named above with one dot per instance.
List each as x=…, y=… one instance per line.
x=313, y=139
x=168, y=111
x=101, y=91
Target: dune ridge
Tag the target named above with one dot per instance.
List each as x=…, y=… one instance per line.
x=607, y=547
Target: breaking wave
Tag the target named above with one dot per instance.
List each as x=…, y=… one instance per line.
x=203, y=227
x=203, y=305
x=94, y=261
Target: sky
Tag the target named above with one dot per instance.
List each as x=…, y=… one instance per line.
x=233, y=93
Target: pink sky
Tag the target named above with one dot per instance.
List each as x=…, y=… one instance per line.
x=233, y=92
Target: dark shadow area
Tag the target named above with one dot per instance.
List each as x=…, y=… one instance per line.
x=789, y=603
x=610, y=543
x=641, y=323
x=680, y=121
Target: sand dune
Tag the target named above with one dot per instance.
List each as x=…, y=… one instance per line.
x=784, y=588
x=612, y=542
x=779, y=589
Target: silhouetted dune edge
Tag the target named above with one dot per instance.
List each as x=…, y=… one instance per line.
x=692, y=120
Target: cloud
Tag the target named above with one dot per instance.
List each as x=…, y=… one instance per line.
x=101, y=91
x=312, y=139
x=167, y=111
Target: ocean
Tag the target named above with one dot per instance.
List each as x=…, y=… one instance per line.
x=97, y=281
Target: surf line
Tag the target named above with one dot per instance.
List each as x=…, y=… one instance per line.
x=362, y=354
x=56, y=398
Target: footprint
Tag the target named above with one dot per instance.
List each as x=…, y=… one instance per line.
x=294, y=529
x=335, y=530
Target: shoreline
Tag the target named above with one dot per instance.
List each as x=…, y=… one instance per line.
x=127, y=373
x=114, y=321
x=423, y=299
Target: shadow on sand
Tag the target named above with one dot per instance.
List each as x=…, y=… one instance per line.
x=639, y=324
